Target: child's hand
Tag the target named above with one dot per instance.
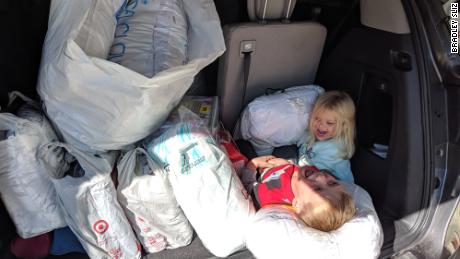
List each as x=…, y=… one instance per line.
x=278, y=161
x=261, y=161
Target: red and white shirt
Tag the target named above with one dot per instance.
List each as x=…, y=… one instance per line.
x=275, y=186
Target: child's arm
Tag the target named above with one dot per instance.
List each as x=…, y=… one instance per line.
x=260, y=162
x=326, y=155
x=339, y=168
x=278, y=161
x=248, y=174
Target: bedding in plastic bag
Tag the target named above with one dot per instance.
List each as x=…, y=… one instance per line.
x=25, y=187
x=277, y=233
x=278, y=119
x=88, y=198
x=151, y=36
x=98, y=104
x=146, y=196
x=205, y=185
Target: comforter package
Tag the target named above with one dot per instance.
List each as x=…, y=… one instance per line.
x=151, y=36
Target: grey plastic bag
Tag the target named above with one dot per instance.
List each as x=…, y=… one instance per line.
x=25, y=186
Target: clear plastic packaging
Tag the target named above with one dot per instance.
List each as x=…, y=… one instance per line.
x=205, y=184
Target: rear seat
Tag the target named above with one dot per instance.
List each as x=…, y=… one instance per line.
x=269, y=52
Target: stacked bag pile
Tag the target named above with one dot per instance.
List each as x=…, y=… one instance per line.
x=44, y=187
x=106, y=84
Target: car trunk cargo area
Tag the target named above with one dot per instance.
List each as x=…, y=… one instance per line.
x=356, y=59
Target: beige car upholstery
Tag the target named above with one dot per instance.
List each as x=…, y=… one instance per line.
x=266, y=54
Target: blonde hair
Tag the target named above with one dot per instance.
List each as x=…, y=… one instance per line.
x=333, y=216
x=342, y=104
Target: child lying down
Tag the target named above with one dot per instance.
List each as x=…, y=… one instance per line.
x=315, y=196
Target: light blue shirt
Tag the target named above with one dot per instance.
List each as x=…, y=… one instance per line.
x=326, y=155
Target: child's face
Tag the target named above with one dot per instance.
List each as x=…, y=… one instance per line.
x=313, y=189
x=324, y=124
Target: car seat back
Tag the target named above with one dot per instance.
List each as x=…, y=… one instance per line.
x=270, y=52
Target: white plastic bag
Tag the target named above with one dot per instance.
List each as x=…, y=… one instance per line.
x=278, y=119
x=102, y=105
x=151, y=36
x=88, y=197
x=206, y=186
x=25, y=187
x=277, y=233
x=149, y=203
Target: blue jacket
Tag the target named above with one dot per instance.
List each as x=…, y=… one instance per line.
x=325, y=155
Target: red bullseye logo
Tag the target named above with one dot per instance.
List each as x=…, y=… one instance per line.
x=101, y=226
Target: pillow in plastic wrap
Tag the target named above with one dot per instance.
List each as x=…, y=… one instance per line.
x=89, y=201
x=25, y=187
x=206, y=186
x=279, y=119
x=151, y=36
x=276, y=233
x=146, y=196
x=99, y=105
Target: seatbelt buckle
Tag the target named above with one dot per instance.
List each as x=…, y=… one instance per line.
x=247, y=47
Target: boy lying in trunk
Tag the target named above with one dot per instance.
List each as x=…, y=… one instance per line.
x=314, y=195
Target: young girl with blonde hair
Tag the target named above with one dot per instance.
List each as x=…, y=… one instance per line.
x=329, y=141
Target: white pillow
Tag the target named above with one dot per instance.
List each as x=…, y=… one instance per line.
x=150, y=36
x=278, y=119
x=276, y=233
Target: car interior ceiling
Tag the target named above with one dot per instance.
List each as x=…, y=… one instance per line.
x=387, y=106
